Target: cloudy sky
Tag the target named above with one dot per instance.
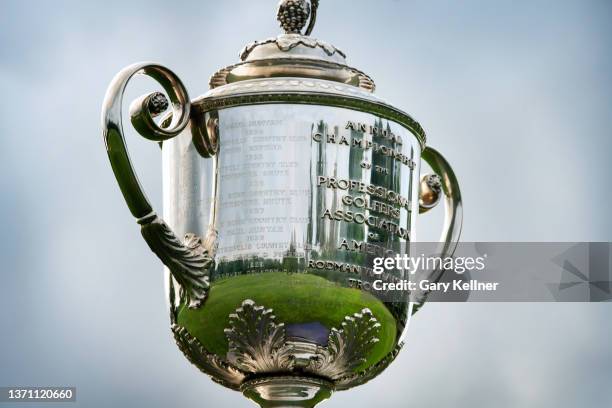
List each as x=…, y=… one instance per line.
x=517, y=94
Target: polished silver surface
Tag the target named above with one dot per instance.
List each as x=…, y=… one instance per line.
x=297, y=186
x=189, y=260
x=287, y=391
x=302, y=91
x=453, y=217
x=285, y=180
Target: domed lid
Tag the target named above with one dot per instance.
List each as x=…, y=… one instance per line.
x=293, y=54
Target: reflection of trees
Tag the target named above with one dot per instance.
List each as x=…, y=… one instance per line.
x=245, y=265
x=352, y=230
x=293, y=261
x=392, y=180
x=323, y=234
x=315, y=228
x=323, y=237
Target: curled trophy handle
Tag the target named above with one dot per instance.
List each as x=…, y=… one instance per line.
x=432, y=186
x=189, y=261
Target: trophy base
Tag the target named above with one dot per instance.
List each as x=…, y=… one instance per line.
x=287, y=391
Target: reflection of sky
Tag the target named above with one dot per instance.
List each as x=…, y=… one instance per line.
x=516, y=94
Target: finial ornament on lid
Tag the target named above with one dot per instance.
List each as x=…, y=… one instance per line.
x=293, y=15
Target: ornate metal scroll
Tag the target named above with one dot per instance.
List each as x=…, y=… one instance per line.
x=253, y=326
x=258, y=344
x=346, y=348
x=220, y=370
x=188, y=261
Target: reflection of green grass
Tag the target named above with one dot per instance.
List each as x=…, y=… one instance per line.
x=295, y=298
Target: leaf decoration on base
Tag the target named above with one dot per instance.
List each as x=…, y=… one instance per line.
x=256, y=343
x=220, y=370
x=347, y=347
x=259, y=345
x=189, y=261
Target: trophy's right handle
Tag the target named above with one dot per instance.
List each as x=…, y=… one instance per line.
x=433, y=186
x=443, y=181
x=190, y=260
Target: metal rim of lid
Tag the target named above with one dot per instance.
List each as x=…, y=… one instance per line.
x=242, y=95
x=365, y=82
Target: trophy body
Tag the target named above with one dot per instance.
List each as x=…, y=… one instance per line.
x=281, y=185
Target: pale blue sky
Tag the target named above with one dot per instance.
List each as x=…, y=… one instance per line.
x=517, y=94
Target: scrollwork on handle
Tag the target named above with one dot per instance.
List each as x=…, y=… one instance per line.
x=190, y=260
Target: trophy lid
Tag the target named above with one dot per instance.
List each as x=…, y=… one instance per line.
x=293, y=54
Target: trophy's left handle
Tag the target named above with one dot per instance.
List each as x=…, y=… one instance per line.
x=188, y=260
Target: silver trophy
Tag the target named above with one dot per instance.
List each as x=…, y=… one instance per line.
x=281, y=184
